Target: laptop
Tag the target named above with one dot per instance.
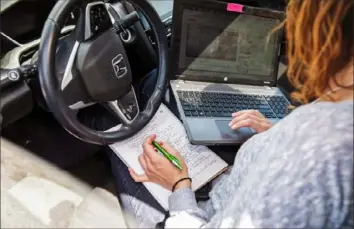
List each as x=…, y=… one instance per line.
x=224, y=61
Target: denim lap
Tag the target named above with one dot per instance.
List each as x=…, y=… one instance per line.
x=136, y=201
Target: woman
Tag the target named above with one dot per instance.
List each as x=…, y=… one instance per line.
x=298, y=173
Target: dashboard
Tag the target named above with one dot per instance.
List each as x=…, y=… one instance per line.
x=17, y=31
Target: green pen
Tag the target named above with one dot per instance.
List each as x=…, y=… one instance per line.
x=168, y=156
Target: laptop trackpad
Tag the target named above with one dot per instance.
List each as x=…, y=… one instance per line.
x=226, y=132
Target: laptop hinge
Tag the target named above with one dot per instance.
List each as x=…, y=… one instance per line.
x=180, y=80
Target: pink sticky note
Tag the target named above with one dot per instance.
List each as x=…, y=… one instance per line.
x=233, y=7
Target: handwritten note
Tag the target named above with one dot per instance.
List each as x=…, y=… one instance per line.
x=203, y=164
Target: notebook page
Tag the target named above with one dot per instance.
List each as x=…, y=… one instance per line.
x=203, y=164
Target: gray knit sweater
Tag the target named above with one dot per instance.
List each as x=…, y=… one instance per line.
x=297, y=174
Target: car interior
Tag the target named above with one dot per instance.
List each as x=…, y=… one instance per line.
x=37, y=118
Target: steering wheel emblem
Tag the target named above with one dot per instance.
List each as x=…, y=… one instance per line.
x=119, y=67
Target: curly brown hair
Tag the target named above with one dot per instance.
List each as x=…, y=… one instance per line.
x=319, y=44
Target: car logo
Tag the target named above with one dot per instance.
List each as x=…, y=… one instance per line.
x=119, y=67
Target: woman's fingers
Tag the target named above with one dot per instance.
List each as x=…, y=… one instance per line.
x=148, y=163
x=243, y=117
x=250, y=120
x=149, y=149
x=246, y=123
x=142, y=161
x=258, y=125
x=148, y=141
x=138, y=178
x=171, y=150
x=152, y=157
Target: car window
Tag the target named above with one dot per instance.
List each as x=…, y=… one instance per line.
x=163, y=7
x=5, y=4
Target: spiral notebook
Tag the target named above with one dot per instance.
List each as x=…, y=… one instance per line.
x=203, y=164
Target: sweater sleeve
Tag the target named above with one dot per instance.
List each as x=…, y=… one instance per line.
x=184, y=211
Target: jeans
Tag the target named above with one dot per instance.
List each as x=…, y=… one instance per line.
x=141, y=210
x=139, y=206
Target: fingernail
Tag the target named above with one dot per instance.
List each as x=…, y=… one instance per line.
x=230, y=124
x=234, y=114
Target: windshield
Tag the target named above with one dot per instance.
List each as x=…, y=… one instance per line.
x=4, y=4
x=163, y=7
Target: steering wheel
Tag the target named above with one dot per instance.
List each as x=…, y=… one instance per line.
x=97, y=70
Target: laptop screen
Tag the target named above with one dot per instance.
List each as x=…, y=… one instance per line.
x=217, y=45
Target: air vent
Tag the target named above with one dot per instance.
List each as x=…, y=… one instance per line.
x=31, y=48
x=27, y=54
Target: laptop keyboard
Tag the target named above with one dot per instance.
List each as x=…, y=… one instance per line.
x=213, y=104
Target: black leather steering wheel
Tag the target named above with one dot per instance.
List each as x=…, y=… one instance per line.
x=98, y=70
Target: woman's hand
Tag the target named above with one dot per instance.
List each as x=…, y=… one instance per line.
x=158, y=169
x=250, y=118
